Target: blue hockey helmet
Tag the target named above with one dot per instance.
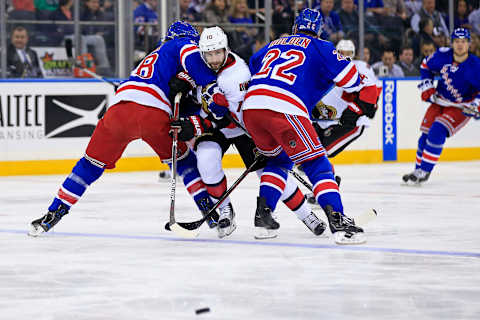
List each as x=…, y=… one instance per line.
x=308, y=20
x=180, y=29
x=461, y=33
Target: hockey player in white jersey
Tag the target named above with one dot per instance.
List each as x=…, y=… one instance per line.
x=215, y=133
x=337, y=120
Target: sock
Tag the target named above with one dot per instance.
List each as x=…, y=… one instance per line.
x=433, y=146
x=421, y=146
x=187, y=169
x=294, y=199
x=217, y=190
x=83, y=174
x=325, y=188
x=273, y=179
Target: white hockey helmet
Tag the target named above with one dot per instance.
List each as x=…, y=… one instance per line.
x=346, y=45
x=213, y=39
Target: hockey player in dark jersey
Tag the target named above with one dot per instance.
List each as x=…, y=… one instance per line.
x=454, y=100
x=214, y=133
x=140, y=110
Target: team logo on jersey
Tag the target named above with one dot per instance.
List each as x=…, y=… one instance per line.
x=73, y=115
x=292, y=144
x=326, y=112
x=243, y=86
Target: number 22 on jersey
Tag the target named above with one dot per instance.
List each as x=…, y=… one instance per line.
x=280, y=71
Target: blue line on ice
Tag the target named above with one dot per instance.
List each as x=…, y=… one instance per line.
x=266, y=243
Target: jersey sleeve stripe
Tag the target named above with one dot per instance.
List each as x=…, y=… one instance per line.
x=185, y=52
x=148, y=89
x=346, y=75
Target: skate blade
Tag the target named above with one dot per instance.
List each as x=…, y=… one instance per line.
x=35, y=231
x=263, y=233
x=225, y=232
x=357, y=238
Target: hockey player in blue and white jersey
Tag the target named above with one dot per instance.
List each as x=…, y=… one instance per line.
x=454, y=100
x=290, y=75
x=140, y=109
x=214, y=133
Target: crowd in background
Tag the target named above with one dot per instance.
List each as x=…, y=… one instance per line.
x=398, y=33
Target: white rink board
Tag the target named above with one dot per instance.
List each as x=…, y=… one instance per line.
x=23, y=142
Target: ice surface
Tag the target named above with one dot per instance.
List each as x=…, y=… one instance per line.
x=110, y=258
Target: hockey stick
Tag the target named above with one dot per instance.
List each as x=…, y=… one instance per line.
x=196, y=224
x=445, y=103
x=174, y=226
x=361, y=220
x=68, y=49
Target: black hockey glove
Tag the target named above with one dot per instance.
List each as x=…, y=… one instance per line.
x=191, y=127
x=181, y=82
x=349, y=118
x=368, y=109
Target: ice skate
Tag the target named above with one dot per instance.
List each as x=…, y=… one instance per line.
x=48, y=221
x=265, y=225
x=206, y=204
x=417, y=177
x=343, y=228
x=226, y=222
x=314, y=224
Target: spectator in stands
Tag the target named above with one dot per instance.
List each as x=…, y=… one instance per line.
x=93, y=35
x=22, y=10
x=474, y=20
x=366, y=55
x=425, y=34
x=395, y=8
x=460, y=19
x=187, y=11
x=332, y=28
x=349, y=19
x=239, y=14
x=426, y=48
x=45, y=8
x=373, y=7
x=146, y=34
x=387, y=67
x=412, y=7
x=428, y=11
x=283, y=17
x=249, y=49
x=405, y=61
x=22, y=61
x=475, y=45
x=62, y=13
x=215, y=12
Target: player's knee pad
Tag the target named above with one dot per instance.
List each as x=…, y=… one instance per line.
x=209, y=162
x=87, y=171
x=438, y=133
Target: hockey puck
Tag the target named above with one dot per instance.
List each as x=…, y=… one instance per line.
x=167, y=226
x=202, y=310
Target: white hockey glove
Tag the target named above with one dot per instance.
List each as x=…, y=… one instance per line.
x=472, y=109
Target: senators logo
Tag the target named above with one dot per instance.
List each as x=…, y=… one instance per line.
x=326, y=112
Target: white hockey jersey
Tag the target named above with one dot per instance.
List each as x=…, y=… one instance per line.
x=332, y=105
x=233, y=80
